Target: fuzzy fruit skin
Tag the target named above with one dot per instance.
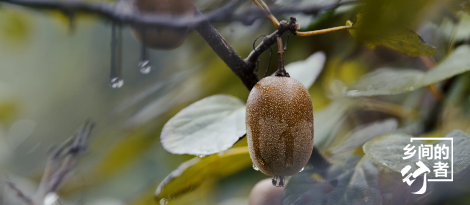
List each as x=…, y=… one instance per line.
x=279, y=123
x=163, y=37
x=264, y=193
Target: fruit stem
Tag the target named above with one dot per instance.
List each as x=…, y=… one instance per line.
x=322, y=31
x=281, y=71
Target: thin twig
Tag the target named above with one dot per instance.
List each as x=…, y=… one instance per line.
x=265, y=8
x=271, y=39
x=19, y=193
x=62, y=161
x=322, y=31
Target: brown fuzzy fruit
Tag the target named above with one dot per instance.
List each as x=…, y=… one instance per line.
x=279, y=124
x=162, y=37
x=263, y=193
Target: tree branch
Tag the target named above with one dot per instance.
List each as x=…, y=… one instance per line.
x=61, y=161
x=19, y=193
x=124, y=13
x=272, y=39
x=244, y=70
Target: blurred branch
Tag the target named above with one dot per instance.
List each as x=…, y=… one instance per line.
x=122, y=12
x=19, y=193
x=60, y=163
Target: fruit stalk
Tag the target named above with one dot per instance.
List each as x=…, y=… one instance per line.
x=281, y=71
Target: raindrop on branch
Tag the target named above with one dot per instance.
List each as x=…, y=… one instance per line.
x=116, y=79
x=144, y=64
x=117, y=83
x=145, y=67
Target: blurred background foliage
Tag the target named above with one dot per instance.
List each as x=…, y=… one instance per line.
x=53, y=77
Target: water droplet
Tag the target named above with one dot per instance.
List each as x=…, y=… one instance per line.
x=202, y=156
x=255, y=167
x=51, y=199
x=117, y=83
x=145, y=67
x=163, y=201
x=301, y=169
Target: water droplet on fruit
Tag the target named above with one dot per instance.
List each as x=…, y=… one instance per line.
x=255, y=167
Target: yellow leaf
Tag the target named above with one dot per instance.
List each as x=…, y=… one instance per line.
x=191, y=174
x=395, y=37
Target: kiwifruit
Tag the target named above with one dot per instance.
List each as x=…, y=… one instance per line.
x=263, y=193
x=163, y=37
x=279, y=123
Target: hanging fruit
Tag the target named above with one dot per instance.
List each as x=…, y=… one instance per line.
x=279, y=123
x=163, y=37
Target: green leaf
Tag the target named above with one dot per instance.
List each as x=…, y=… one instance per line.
x=387, y=151
x=463, y=29
x=362, y=187
x=215, y=123
x=398, y=38
x=207, y=126
x=362, y=134
x=328, y=121
x=302, y=189
x=353, y=182
x=191, y=174
x=307, y=71
x=388, y=81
